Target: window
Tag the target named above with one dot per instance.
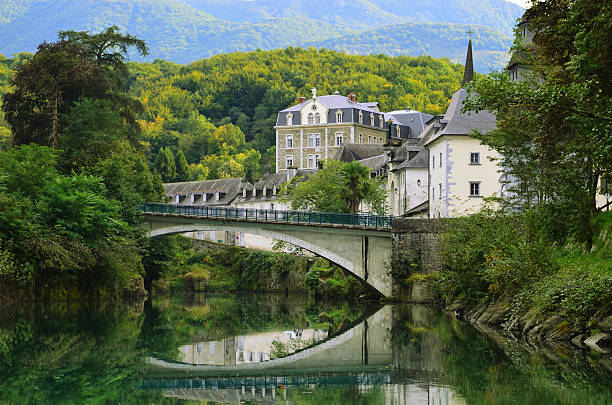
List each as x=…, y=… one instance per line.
x=474, y=189
x=524, y=32
x=369, y=138
x=310, y=161
x=371, y=119
x=289, y=161
x=339, y=138
x=440, y=191
x=310, y=118
x=317, y=140
x=311, y=138
x=474, y=158
x=433, y=162
x=338, y=116
x=360, y=117
x=317, y=159
x=317, y=118
x=360, y=138
x=289, y=119
x=272, y=206
x=440, y=159
x=289, y=141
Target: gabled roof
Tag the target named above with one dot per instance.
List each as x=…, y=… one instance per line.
x=420, y=161
x=271, y=180
x=334, y=101
x=358, y=151
x=456, y=122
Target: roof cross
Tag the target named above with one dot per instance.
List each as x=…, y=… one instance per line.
x=470, y=32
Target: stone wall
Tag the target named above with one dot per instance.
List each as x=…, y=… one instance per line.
x=416, y=249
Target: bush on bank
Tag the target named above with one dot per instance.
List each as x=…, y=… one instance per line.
x=205, y=266
x=495, y=255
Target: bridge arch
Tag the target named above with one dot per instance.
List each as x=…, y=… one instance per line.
x=362, y=252
x=304, y=244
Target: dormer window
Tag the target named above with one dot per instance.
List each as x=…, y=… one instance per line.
x=289, y=119
x=360, y=117
x=381, y=121
x=317, y=118
x=311, y=118
x=338, y=116
x=372, y=119
x=399, y=131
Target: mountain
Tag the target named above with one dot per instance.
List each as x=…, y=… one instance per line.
x=434, y=39
x=187, y=30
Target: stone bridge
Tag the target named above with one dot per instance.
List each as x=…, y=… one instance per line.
x=361, y=244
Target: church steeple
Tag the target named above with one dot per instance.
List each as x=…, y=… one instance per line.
x=468, y=75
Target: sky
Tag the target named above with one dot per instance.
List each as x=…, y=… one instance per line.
x=522, y=3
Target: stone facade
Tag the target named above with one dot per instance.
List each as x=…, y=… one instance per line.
x=306, y=145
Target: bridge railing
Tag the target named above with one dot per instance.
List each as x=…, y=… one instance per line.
x=260, y=215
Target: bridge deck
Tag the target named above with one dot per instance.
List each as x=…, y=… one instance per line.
x=359, y=221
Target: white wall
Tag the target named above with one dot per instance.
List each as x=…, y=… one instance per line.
x=456, y=174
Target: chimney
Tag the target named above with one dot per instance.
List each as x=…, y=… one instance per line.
x=352, y=97
x=301, y=100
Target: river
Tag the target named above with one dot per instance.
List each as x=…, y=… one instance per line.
x=276, y=349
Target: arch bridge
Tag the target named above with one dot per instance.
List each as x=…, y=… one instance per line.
x=361, y=244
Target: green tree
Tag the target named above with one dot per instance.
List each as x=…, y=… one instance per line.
x=555, y=130
x=330, y=190
x=182, y=168
x=165, y=165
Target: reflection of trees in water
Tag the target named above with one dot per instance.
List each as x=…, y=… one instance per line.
x=482, y=370
x=70, y=354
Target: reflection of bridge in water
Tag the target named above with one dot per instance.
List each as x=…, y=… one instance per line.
x=364, y=347
x=357, y=360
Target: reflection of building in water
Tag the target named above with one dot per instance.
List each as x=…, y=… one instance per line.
x=243, y=349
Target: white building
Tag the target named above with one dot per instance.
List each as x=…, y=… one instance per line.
x=462, y=171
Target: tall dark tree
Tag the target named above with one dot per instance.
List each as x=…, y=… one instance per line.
x=78, y=66
x=182, y=168
x=165, y=166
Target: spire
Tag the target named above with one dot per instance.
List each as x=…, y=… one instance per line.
x=468, y=75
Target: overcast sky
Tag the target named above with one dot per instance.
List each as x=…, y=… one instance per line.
x=522, y=3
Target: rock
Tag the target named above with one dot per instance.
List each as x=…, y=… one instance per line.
x=596, y=341
x=606, y=323
x=578, y=340
x=494, y=314
x=420, y=292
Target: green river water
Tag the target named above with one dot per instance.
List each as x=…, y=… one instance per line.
x=274, y=349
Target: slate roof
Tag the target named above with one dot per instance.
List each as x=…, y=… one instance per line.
x=334, y=101
x=413, y=119
x=456, y=122
x=351, y=152
x=424, y=206
x=231, y=188
x=270, y=181
x=373, y=162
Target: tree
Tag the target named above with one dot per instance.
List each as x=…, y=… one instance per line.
x=77, y=66
x=44, y=90
x=165, y=166
x=555, y=130
x=182, y=168
x=338, y=187
x=359, y=187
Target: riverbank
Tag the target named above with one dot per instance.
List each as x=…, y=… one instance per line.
x=497, y=274
x=201, y=266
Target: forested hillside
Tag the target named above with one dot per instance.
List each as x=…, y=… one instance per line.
x=225, y=107
x=435, y=39
x=188, y=30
